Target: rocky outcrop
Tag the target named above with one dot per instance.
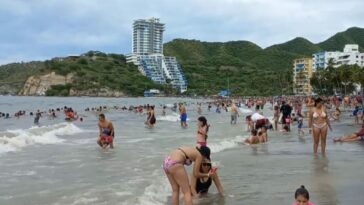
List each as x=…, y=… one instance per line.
x=38, y=85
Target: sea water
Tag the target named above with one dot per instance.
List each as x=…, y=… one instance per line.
x=60, y=163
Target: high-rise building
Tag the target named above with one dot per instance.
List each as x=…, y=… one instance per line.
x=349, y=56
x=148, y=55
x=302, y=73
x=148, y=36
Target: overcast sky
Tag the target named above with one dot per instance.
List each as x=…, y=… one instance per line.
x=42, y=29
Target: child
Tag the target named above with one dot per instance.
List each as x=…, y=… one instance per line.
x=302, y=197
x=300, y=124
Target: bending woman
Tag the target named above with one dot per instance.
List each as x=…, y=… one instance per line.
x=176, y=173
x=319, y=122
x=201, y=185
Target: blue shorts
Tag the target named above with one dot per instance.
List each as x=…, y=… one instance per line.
x=361, y=138
x=184, y=117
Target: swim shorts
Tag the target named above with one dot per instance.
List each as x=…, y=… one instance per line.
x=183, y=117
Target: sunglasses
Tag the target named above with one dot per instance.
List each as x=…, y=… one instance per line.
x=206, y=164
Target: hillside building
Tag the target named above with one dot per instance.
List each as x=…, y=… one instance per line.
x=349, y=56
x=302, y=73
x=148, y=55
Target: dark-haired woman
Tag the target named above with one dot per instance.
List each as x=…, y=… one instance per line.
x=200, y=186
x=319, y=122
x=202, y=130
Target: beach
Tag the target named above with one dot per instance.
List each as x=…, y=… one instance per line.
x=59, y=163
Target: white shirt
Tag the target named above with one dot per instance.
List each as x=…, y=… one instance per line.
x=257, y=116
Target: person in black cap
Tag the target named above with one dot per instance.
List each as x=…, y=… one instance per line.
x=176, y=173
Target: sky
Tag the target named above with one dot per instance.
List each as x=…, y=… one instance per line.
x=43, y=29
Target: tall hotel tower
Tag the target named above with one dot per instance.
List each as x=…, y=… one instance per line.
x=148, y=54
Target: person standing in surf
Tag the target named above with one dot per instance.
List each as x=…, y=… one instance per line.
x=202, y=131
x=183, y=114
x=234, y=113
x=151, y=120
x=106, y=132
x=319, y=122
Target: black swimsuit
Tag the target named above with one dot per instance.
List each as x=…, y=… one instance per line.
x=203, y=187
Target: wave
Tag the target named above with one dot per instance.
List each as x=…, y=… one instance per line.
x=226, y=144
x=171, y=118
x=156, y=193
x=15, y=140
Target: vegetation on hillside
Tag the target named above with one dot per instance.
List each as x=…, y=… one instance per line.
x=246, y=68
x=92, y=71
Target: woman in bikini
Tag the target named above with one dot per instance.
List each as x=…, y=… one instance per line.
x=202, y=130
x=176, y=173
x=319, y=122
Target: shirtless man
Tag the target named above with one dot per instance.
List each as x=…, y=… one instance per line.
x=234, y=113
x=106, y=129
x=183, y=114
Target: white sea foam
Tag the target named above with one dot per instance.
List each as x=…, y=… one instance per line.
x=174, y=117
x=15, y=140
x=156, y=193
x=226, y=144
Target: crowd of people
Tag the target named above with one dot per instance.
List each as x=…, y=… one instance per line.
x=310, y=114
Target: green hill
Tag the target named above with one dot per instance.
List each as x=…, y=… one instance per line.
x=93, y=70
x=337, y=42
x=300, y=46
x=245, y=67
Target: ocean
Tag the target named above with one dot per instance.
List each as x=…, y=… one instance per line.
x=59, y=163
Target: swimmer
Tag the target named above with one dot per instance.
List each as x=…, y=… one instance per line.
x=286, y=111
x=200, y=186
x=202, y=130
x=285, y=129
x=164, y=110
x=105, y=128
x=183, y=115
x=253, y=139
x=199, y=109
x=177, y=174
x=151, y=120
x=300, y=124
x=38, y=115
x=234, y=113
x=319, y=122
x=249, y=122
x=356, y=136
x=302, y=197
x=276, y=117
x=336, y=114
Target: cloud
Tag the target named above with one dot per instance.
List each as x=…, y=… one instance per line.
x=33, y=29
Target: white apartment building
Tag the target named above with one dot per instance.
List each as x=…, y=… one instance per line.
x=349, y=56
x=148, y=55
x=147, y=36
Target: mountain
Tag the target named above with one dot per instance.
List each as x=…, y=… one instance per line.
x=300, y=46
x=245, y=67
x=337, y=42
x=93, y=73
